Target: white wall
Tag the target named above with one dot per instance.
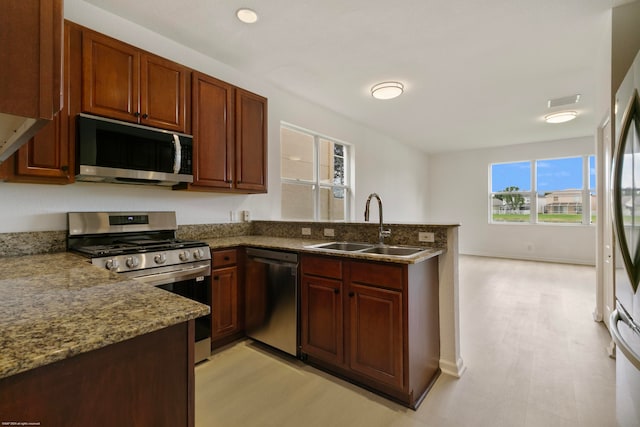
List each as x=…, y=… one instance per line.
x=396, y=171
x=459, y=192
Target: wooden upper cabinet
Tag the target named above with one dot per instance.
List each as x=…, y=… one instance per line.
x=45, y=158
x=122, y=82
x=212, y=125
x=164, y=92
x=30, y=69
x=48, y=157
x=230, y=137
x=251, y=142
x=110, y=77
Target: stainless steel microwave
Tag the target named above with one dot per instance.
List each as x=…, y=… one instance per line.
x=113, y=151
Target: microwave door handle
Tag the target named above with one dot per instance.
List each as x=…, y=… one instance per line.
x=177, y=160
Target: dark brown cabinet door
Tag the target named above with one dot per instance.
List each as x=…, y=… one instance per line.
x=251, y=142
x=321, y=319
x=122, y=82
x=48, y=157
x=163, y=93
x=110, y=78
x=31, y=58
x=213, y=139
x=375, y=333
x=224, y=302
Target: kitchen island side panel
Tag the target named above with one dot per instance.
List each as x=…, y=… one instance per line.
x=144, y=381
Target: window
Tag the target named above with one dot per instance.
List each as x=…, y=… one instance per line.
x=314, y=176
x=560, y=191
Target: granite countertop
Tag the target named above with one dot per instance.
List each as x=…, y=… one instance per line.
x=302, y=245
x=55, y=306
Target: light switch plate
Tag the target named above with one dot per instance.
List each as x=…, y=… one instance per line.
x=306, y=231
x=329, y=232
x=425, y=236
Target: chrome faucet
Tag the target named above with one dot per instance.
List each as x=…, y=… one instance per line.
x=382, y=233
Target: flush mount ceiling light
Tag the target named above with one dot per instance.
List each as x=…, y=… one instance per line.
x=387, y=90
x=560, y=117
x=248, y=16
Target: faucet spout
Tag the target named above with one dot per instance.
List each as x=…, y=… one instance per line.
x=382, y=232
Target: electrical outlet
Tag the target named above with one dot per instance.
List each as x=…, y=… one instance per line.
x=246, y=216
x=424, y=236
x=306, y=231
x=329, y=232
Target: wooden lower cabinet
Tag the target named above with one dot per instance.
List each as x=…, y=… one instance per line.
x=373, y=323
x=226, y=307
x=375, y=333
x=321, y=315
x=147, y=381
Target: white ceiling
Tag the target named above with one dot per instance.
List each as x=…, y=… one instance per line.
x=477, y=73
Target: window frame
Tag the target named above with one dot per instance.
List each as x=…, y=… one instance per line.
x=586, y=192
x=316, y=184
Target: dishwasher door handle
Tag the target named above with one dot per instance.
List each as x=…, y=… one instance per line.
x=274, y=261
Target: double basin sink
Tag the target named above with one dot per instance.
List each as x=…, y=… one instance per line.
x=367, y=248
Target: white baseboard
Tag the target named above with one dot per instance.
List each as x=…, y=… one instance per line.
x=530, y=258
x=455, y=369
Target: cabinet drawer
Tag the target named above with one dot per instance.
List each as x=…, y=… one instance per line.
x=222, y=258
x=376, y=274
x=322, y=266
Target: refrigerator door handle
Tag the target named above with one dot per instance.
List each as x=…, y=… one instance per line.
x=616, y=316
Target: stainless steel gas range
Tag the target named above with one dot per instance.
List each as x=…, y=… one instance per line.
x=143, y=246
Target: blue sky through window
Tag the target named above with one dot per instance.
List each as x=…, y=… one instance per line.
x=552, y=175
x=559, y=174
x=505, y=175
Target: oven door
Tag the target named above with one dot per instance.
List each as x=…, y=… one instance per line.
x=193, y=283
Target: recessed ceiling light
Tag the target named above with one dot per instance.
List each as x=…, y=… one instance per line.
x=560, y=117
x=387, y=90
x=248, y=16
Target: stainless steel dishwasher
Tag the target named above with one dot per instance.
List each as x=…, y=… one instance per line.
x=271, y=305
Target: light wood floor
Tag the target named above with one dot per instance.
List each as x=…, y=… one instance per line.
x=534, y=357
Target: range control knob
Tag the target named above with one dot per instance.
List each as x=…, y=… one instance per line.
x=184, y=256
x=112, y=264
x=160, y=258
x=132, y=262
x=197, y=253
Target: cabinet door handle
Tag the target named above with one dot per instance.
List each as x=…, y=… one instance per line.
x=226, y=258
x=64, y=168
x=145, y=116
x=336, y=291
x=136, y=114
x=351, y=294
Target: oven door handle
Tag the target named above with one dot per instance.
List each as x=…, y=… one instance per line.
x=175, y=276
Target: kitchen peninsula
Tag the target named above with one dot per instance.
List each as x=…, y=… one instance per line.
x=81, y=346
x=58, y=310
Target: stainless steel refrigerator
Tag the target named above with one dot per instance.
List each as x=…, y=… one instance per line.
x=625, y=319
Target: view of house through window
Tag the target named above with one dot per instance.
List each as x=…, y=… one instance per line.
x=560, y=190
x=314, y=176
